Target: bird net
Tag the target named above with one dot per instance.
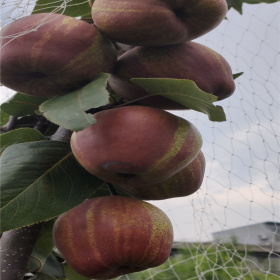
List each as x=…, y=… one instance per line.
x=229, y=228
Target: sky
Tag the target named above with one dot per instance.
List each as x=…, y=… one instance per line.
x=241, y=183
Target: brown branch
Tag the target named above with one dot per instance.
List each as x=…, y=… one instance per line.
x=16, y=248
x=62, y=134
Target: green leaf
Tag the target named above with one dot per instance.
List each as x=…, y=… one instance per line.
x=19, y=136
x=39, y=181
x=42, y=248
x=70, y=274
x=4, y=118
x=74, y=8
x=20, y=105
x=184, y=92
x=53, y=267
x=237, y=75
x=68, y=110
x=237, y=4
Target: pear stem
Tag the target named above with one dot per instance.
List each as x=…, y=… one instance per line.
x=112, y=189
x=135, y=100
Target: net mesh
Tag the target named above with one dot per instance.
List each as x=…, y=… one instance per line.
x=240, y=196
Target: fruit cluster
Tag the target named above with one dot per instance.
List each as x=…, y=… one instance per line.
x=141, y=149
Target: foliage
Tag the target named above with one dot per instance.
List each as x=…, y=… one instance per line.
x=41, y=180
x=69, y=111
x=20, y=105
x=199, y=261
x=186, y=93
x=196, y=261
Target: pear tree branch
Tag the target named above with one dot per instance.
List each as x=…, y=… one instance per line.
x=16, y=248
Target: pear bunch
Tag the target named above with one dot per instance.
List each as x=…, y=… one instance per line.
x=160, y=32
x=139, y=155
x=140, y=149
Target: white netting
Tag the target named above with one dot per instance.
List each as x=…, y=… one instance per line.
x=241, y=184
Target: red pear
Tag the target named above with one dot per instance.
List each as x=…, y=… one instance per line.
x=51, y=54
x=136, y=145
x=193, y=61
x=157, y=22
x=106, y=237
x=184, y=183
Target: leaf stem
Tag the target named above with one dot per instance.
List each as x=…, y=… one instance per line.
x=131, y=102
x=99, y=109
